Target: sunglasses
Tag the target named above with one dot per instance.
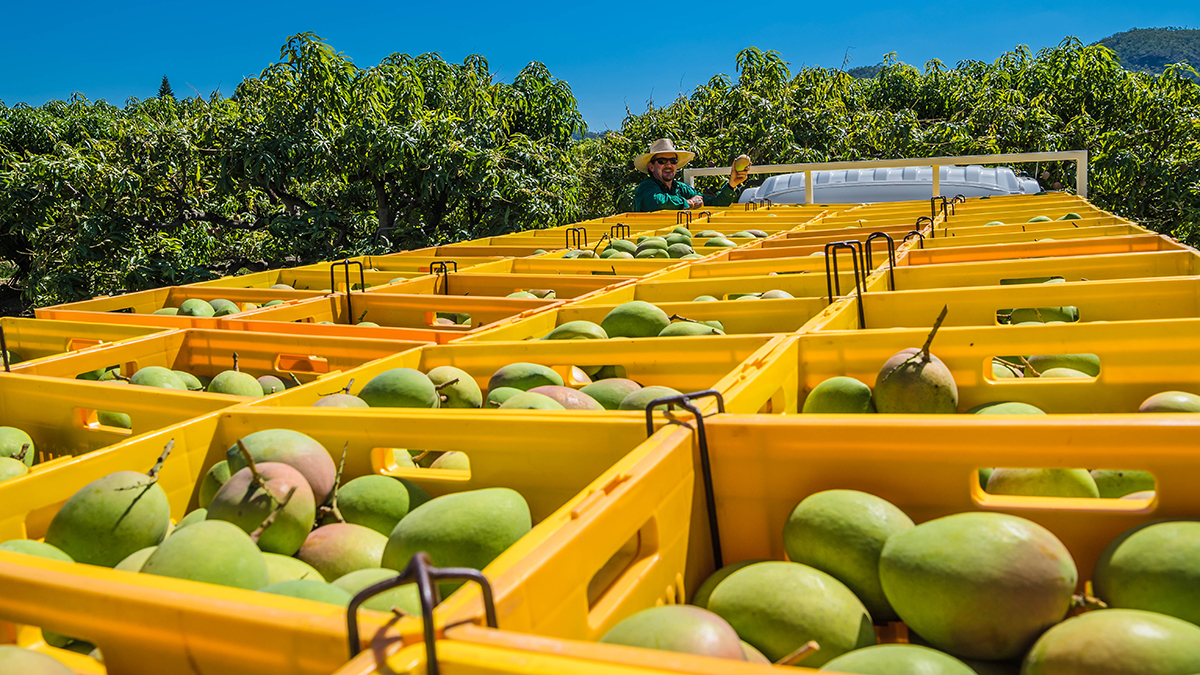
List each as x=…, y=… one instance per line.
x=666, y=160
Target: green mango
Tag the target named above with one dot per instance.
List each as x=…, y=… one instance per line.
x=403, y=597
x=576, y=330
x=464, y=529
x=1114, y=484
x=838, y=395
x=620, y=255
x=110, y=518
x=993, y=224
x=978, y=585
x=689, y=328
x=377, y=502
x=608, y=372
x=1043, y=483
x=189, y=380
x=898, y=660
x=651, y=253
x=1063, y=373
x=679, y=250
x=286, y=568
x=400, y=388
x=215, y=552
x=678, y=628
x=641, y=398
x=270, y=384
x=1005, y=408
x=522, y=294
x=704, y=591
x=680, y=229
x=166, y=311
x=1153, y=567
x=719, y=242
x=709, y=233
x=524, y=376
x=35, y=548
x=134, y=562
x=1044, y=315
x=22, y=661
x=817, y=607
x=340, y=401
x=236, y=384
x=1171, y=402
x=196, y=307
x=243, y=501
x=776, y=294
x=340, y=548
x=463, y=393
x=568, y=398
x=1070, y=216
x=528, y=400
x=677, y=238
x=910, y=383
x=307, y=589
x=692, y=256
x=11, y=468
x=705, y=298
x=610, y=392
x=197, y=516
x=223, y=304
x=157, y=376
x=1039, y=219
x=12, y=440
x=1116, y=642
x=293, y=448
x=623, y=245
x=842, y=533
x=496, y=397
x=212, y=482
x=635, y=319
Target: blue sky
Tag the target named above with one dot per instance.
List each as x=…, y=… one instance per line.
x=612, y=54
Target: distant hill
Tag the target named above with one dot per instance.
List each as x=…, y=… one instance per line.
x=1151, y=50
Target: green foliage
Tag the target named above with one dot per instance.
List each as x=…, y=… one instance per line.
x=304, y=162
x=1142, y=131
x=1151, y=50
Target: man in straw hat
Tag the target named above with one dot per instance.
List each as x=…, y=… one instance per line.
x=662, y=192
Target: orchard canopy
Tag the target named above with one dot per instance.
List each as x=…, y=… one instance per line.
x=317, y=158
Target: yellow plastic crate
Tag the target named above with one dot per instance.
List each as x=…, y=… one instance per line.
x=1095, y=301
x=564, y=468
x=32, y=339
x=565, y=287
x=60, y=416
x=586, y=267
x=310, y=359
x=393, y=263
x=914, y=255
x=1130, y=372
x=1178, y=263
x=662, y=290
x=452, y=251
x=738, y=318
x=687, y=364
x=761, y=467
x=320, y=281
x=136, y=309
x=400, y=317
x=1032, y=236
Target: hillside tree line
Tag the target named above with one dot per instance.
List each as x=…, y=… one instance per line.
x=317, y=158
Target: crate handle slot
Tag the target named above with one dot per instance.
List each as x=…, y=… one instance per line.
x=915, y=233
x=362, y=280
x=302, y=363
x=577, y=235
x=620, y=229
x=442, y=270
x=833, y=280
x=710, y=501
x=79, y=344
x=891, y=244
x=421, y=571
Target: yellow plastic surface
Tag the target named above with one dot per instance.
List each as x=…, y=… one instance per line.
x=136, y=309
x=310, y=279
x=1095, y=301
x=658, y=290
x=1129, y=371
x=1178, y=263
x=685, y=364
x=565, y=287
x=1135, y=243
x=204, y=352
x=400, y=317
x=147, y=624
x=32, y=339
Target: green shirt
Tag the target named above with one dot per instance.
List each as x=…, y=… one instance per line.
x=653, y=195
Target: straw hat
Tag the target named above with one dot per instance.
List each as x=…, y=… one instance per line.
x=662, y=146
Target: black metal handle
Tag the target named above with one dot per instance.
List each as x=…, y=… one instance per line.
x=710, y=501
x=578, y=235
x=442, y=269
x=618, y=231
x=915, y=233
x=4, y=349
x=603, y=237
x=362, y=281
x=421, y=571
x=833, y=280
x=679, y=218
x=960, y=199
x=891, y=244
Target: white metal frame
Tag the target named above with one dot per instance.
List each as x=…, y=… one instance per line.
x=1080, y=157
